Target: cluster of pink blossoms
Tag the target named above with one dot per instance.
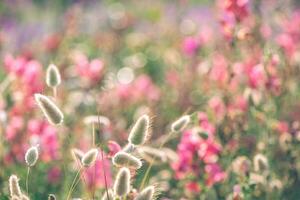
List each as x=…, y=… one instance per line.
x=25, y=75
x=94, y=175
x=289, y=40
x=198, y=157
x=141, y=89
x=233, y=12
x=26, y=79
x=90, y=70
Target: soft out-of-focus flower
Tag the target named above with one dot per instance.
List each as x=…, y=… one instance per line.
x=91, y=70
x=218, y=107
x=113, y=147
x=40, y=132
x=241, y=165
x=193, y=187
x=232, y=12
x=190, y=45
x=219, y=70
x=289, y=39
x=54, y=175
x=141, y=88
x=195, y=152
x=94, y=175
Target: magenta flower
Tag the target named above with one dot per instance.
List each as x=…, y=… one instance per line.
x=91, y=70
x=94, y=175
x=113, y=147
x=198, y=156
x=54, y=175
x=190, y=45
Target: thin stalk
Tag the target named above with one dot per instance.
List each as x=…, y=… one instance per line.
x=27, y=177
x=103, y=164
x=94, y=175
x=55, y=92
x=152, y=161
x=73, y=183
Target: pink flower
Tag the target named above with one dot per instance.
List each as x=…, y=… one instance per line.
x=46, y=136
x=141, y=89
x=218, y=107
x=282, y=127
x=239, y=104
x=239, y=8
x=256, y=76
x=54, y=175
x=197, y=156
x=92, y=71
x=190, y=46
x=193, y=187
x=113, y=147
x=94, y=175
x=215, y=174
x=232, y=12
x=15, y=125
x=219, y=71
x=228, y=23
x=205, y=124
x=286, y=42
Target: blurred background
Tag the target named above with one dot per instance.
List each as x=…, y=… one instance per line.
x=233, y=65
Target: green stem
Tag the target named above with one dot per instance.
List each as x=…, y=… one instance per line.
x=27, y=177
x=55, y=92
x=152, y=161
x=73, y=183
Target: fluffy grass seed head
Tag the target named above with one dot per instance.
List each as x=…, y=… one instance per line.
x=123, y=159
x=14, y=186
x=260, y=163
x=51, y=197
x=140, y=131
x=77, y=154
x=31, y=156
x=49, y=109
x=110, y=195
x=89, y=157
x=53, y=78
x=129, y=148
x=96, y=119
x=152, y=155
x=180, y=124
x=122, y=182
x=15, y=198
x=146, y=194
x=24, y=197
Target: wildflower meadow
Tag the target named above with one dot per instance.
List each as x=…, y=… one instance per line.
x=150, y=100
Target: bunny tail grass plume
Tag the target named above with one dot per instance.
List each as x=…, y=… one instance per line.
x=146, y=194
x=53, y=78
x=129, y=148
x=140, y=131
x=14, y=187
x=152, y=155
x=77, y=154
x=260, y=163
x=31, y=156
x=110, y=195
x=50, y=110
x=122, y=182
x=51, y=197
x=24, y=197
x=15, y=198
x=89, y=157
x=122, y=159
x=180, y=124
